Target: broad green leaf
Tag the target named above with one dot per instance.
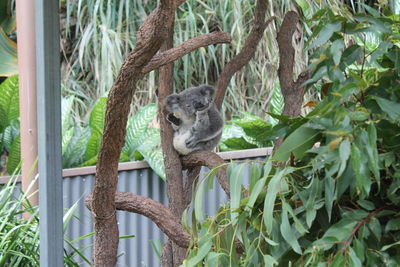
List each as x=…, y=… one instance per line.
x=259, y=186
x=269, y=202
x=337, y=50
x=393, y=225
x=269, y=261
x=372, y=152
x=93, y=145
x=297, y=223
x=235, y=184
x=311, y=211
x=392, y=109
x=14, y=157
x=344, y=153
x=326, y=33
x=288, y=234
x=238, y=144
x=198, y=201
x=391, y=245
x=340, y=231
x=96, y=121
x=67, y=112
x=298, y=142
x=137, y=127
x=363, y=180
x=201, y=254
x=329, y=195
x=356, y=261
x=9, y=98
x=8, y=55
x=155, y=159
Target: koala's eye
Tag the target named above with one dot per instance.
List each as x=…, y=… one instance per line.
x=203, y=92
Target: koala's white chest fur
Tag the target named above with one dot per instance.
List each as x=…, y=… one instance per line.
x=179, y=142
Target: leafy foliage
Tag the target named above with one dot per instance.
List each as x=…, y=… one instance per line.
x=19, y=244
x=338, y=202
x=9, y=121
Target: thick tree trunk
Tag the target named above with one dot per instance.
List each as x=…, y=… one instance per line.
x=150, y=37
x=293, y=91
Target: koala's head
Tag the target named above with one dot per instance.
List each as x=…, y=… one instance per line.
x=190, y=100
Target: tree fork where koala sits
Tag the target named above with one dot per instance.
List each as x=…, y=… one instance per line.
x=151, y=35
x=149, y=39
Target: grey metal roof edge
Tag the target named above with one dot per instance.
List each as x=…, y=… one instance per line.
x=135, y=165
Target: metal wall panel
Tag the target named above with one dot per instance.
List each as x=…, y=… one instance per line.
x=135, y=251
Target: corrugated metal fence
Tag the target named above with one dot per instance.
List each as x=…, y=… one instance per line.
x=136, y=251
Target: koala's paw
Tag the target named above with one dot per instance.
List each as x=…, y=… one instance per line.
x=190, y=142
x=174, y=120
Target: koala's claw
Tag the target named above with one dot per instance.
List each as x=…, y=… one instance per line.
x=190, y=142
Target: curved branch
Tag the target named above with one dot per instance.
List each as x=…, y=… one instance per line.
x=155, y=211
x=186, y=47
x=247, y=52
x=210, y=160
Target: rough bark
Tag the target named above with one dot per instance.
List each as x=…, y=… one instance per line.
x=155, y=211
x=150, y=37
x=173, y=168
x=247, y=52
x=293, y=92
x=186, y=47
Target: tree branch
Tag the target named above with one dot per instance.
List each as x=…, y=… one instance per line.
x=155, y=211
x=247, y=52
x=186, y=47
x=210, y=160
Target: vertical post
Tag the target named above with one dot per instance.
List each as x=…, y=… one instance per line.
x=49, y=132
x=27, y=96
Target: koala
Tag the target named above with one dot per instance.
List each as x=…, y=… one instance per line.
x=195, y=119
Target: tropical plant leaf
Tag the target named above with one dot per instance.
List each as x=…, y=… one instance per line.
x=156, y=161
x=9, y=98
x=8, y=55
x=97, y=116
x=14, y=157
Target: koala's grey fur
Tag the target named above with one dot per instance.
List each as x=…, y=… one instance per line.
x=195, y=119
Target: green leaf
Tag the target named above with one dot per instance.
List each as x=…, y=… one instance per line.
x=9, y=99
x=363, y=181
x=14, y=157
x=93, y=146
x=392, y=109
x=269, y=261
x=344, y=153
x=201, y=254
x=258, y=187
x=155, y=159
x=238, y=144
x=288, y=234
x=372, y=152
x=67, y=112
x=329, y=195
x=326, y=33
x=298, y=142
x=96, y=121
x=337, y=50
x=269, y=202
x=136, y=131
x=8, y=55
x=235, y=184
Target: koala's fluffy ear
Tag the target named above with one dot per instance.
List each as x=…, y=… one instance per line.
x=172, y=99
x=207, y=90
